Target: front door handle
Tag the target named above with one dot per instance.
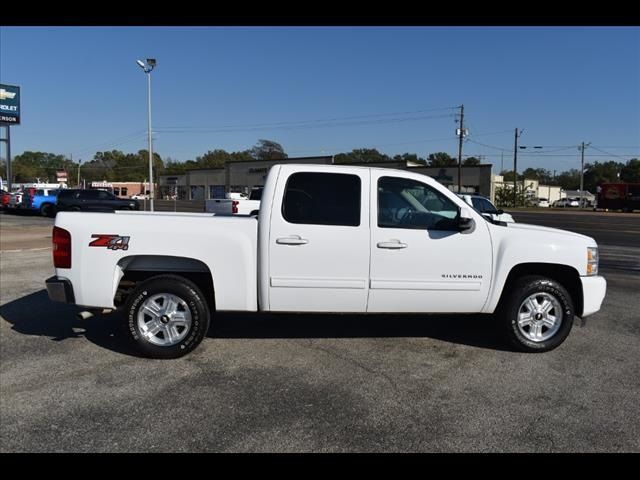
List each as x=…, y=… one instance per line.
x=392, y=245
x=292, y=240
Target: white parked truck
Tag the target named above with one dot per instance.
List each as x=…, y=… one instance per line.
x=327, y=239
x=235, y=204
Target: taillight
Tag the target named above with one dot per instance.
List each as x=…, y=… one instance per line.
x=61, y=248
x=234, y=206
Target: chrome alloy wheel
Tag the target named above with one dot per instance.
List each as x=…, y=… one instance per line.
x=539, y=317
x=164, y=319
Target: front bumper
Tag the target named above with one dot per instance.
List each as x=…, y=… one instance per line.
x=593, y=292
x=60, y=290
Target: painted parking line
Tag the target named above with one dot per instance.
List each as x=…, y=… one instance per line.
x=25, y=250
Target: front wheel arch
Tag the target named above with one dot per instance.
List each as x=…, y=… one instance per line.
x=565, y=275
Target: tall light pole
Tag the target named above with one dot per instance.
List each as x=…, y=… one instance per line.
x=148, y=67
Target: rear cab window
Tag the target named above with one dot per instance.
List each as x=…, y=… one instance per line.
x=319, y=198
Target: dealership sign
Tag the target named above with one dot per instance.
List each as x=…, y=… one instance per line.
x=9, y=104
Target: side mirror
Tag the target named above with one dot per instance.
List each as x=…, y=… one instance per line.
x=465, y=221
x=499, y=211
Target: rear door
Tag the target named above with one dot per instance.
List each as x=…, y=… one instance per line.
x=319, y=240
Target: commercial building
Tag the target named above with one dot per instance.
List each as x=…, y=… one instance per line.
x=532, y=189
x=122, y=189
x=204, y=184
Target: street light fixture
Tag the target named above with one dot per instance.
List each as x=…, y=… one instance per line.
x=147, y=68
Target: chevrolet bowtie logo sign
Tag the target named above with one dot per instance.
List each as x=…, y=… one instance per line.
x=4, y=95
x=9, y=104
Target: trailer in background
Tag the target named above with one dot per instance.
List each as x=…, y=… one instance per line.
x=618, y=196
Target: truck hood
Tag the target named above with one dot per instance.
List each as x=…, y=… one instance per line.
x=557, y=231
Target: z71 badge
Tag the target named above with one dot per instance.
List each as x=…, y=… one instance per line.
x=112, y=242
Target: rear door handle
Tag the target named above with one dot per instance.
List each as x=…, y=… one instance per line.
x=392, y=245
x=292, y=240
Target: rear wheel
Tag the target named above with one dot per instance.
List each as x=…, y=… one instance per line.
x=166, y=316
x=538, y=314
x=47, y=210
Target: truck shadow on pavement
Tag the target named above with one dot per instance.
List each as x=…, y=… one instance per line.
x=35, y=314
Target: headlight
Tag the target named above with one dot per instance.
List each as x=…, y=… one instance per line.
x=592, y=260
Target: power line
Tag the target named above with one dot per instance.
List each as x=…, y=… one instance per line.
x=301, y=126
x=609, y=153
x=490, y=146
x=301, y=122
x=111, y=143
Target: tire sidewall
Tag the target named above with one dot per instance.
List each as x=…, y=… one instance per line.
x=525, y=289
x=194, y=300
x=46, y=210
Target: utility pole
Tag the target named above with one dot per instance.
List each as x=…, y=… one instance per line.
x=461, y=135
x=582, y=147
x=515, y=167
x=501, y=161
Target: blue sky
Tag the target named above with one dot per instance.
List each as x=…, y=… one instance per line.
x=83, y=92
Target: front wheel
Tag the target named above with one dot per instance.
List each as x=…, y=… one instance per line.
x=538, y=314
x=166, y=316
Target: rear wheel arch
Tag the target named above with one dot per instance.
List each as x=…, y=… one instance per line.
x=135, y=269
x=565, y=275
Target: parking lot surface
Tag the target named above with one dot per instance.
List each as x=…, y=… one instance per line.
x=318, y=383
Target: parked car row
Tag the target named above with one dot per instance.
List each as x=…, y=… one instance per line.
x=47, y=201
x=572, y=202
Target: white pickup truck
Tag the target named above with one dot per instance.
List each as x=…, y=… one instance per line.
x=235, y=204
x=327, y=239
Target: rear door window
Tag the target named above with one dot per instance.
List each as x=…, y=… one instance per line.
x=322, y=199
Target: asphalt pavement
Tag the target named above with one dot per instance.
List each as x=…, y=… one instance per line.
x=314, y=383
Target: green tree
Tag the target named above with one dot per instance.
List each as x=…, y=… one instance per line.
x=32, y=166
x=441, y=159
x=507, y=175
x=471, y=161
x=601, y=172
x=541, y=174
x=362, y=155
x=409, y=157
x=569, y=180
x=504, y=195
x=631, y=171
x=268, y=150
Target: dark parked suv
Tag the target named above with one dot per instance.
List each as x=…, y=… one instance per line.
x=93, y=201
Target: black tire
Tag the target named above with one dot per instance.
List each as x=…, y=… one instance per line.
x=509, y=313
x=47, y=210
x=177, y=286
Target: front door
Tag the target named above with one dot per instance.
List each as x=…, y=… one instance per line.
x=319, y=241
x=420, y=260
